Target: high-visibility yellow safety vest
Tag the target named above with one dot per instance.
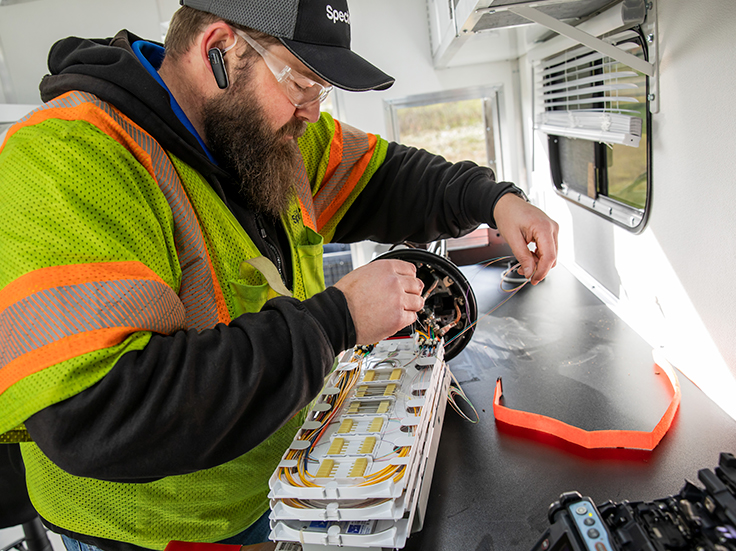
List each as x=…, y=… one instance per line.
x=106, y=239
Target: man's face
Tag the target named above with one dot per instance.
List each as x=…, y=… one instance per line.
x=244, y=143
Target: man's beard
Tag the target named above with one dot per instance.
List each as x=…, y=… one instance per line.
x=244, y=144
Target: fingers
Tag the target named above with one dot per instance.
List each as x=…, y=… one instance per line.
x=405, y=274
x=408, y=317
x=414, y=301
x=546, y=255
x=536, y=264
x=522, y=253
x=545, y=237
x=383, y=297
x=414, y=286
x=521, y=224
x=401, y=267
x=409, y=284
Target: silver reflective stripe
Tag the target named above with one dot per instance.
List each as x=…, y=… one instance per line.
x=54, y=314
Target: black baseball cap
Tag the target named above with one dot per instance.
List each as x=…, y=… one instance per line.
x=315, y=31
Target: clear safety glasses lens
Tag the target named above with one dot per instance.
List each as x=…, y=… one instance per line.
x=299, y=89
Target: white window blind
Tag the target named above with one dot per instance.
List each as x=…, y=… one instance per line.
x=584, y=94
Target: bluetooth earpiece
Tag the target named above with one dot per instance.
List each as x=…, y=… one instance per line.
x=218, y=67
x=218, y=64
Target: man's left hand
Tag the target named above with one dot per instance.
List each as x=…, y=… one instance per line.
x=522, y=223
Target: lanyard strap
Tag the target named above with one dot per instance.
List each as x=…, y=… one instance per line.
x=628, y=439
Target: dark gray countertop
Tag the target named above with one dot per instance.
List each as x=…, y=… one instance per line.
x=561, y=353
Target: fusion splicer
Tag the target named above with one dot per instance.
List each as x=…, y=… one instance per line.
x=576, y=525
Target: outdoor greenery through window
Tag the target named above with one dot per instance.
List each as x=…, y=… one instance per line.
x=459, y=125
x=456, y=130
x=627, y=166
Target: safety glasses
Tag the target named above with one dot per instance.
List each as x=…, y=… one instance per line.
x=300, y=90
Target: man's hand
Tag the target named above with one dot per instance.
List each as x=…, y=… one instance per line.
x=383, y=297
x=521, y=223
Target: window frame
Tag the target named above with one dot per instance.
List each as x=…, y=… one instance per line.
x=492, y=97
x=626, y=216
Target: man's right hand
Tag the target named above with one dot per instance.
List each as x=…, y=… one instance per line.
x=383, y=297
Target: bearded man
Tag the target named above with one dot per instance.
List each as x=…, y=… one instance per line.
x=165, y=317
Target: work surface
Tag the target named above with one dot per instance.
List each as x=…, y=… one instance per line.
x=562, y=353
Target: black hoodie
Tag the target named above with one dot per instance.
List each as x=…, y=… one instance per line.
x=140, y=423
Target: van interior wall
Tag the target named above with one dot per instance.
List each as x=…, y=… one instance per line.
x=28, y=29
x=395, y=36
x=673, y=281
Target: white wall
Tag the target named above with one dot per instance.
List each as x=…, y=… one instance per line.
x=394, y=35
x=675, y=277
x=27, y=31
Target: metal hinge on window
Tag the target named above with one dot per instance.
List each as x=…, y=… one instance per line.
x=588, y=40
x=633, y=12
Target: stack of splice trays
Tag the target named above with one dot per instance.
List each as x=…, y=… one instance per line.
x=358, y=472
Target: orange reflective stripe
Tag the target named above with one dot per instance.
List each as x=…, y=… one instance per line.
x=72, y=274
x=350, y=152
x=627, y=439
x=200, y=290
x=53, y=314
x=59, y=351
x=302, y=184
x=82, y=106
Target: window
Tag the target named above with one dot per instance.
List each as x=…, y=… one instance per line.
x=595, y=112
x=459, y=125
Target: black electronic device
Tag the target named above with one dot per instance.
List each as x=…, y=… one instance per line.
x=696, y=519
x=218, y=67
x=450, y=309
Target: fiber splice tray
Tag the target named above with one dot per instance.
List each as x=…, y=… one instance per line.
x=358, y=473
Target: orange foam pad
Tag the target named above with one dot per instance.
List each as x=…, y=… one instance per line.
x=626, y=439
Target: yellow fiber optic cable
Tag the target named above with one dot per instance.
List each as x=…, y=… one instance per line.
x=346, y=381
x=387, y=472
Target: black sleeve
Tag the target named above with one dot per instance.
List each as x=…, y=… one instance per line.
x=191, y=401
x=420, y=197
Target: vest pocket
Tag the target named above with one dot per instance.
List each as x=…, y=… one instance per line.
x=248, y=298
x=310, y=259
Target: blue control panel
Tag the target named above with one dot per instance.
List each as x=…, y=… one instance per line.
x=590, y=525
